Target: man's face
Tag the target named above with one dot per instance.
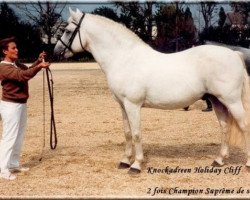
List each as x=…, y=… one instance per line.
x=11, y=52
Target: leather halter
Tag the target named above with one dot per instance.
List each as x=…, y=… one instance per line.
x=77, y=30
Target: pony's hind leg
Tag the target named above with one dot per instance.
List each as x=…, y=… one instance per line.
x=125, y=162
x=223, y=117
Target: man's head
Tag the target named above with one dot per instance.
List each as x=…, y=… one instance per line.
x=8, y=49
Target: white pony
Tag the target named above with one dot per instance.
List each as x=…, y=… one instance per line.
x=139, y=76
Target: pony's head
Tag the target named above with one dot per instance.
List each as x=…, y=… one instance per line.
x=72, y=40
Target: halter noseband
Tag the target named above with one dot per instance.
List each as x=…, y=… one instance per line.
x=77, y=29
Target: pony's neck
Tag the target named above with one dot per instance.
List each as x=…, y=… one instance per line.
x=109, y=41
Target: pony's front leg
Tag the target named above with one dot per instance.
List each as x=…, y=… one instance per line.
x=125, y=162
x=133, y=113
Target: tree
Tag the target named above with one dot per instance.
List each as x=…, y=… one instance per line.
x=138, y=17
x=242, y=32
x=8, y=20
x=188, y=30
x=28, y=38
x=207, y=10
x=29, y=42
x=47, y=16
x=243, y=7
x=233, y=27
x=175, y=28
x=222, y=17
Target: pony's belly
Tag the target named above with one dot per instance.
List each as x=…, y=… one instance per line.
x=167, y=105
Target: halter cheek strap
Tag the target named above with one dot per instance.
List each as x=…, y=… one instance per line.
x=77, y=30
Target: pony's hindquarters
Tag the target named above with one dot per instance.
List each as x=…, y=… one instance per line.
x=238, y=117
x=246, y=104
x=235, y=127
x=246, y=98
x=246, y=123
x=245, y=95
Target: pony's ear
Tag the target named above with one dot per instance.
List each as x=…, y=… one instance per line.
x=72, y=13
x=78, y=11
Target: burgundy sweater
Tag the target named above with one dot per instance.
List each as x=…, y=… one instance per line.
x=14, y=81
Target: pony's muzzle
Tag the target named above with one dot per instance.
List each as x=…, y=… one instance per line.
x=58, y=55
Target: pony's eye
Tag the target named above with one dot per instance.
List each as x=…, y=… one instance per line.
x=67, y=32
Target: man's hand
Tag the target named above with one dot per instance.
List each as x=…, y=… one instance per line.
x=41, y=57
x=44, y=65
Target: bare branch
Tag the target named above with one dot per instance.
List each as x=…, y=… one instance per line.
x=46, y=15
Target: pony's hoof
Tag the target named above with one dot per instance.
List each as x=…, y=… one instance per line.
x=134, y=171
x=216, y=164
x=123, y=166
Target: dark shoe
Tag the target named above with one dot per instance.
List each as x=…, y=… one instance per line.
x=186, y=108
x=207, y=110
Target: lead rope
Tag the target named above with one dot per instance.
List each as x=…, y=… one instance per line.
x=53, y=134
x=43, y=138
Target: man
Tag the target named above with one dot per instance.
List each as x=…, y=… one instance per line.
x=209, y=105
x=14, y=78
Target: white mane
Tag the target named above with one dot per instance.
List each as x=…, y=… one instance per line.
x=118, y=31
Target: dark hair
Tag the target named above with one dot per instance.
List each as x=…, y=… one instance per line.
x=4, y=44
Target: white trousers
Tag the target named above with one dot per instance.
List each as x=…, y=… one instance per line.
x=14, y=117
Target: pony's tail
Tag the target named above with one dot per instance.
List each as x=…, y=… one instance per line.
x=234, y=137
